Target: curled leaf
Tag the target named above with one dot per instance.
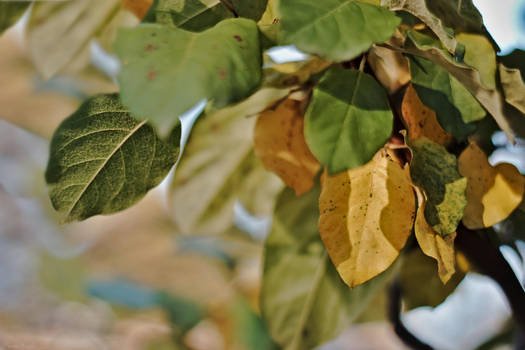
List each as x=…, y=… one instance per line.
x=279, y=143
x=493, y=192
x=513, y=87
x=432, y=244
x=366, y=216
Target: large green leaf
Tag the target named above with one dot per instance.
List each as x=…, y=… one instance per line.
x=303, y=300
x=10, y=12
x=168, y=70
x=348, y=120
x=219, y=167
x=102, y=160
x=336, y=29
x=435, y=171
x=59, y=33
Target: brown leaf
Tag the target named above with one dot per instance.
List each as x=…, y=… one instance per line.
x=280, y=144
x=421, y=120
x=432, y=244
x=138, y=7
x=366, y=216
x=493, y=192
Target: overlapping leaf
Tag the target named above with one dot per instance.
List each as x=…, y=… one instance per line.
x=493, y=192
x=420, y=120
x=390, y=68
x=168, y=70
x=491, y=100
x=348, y=119
x=59, y=33
x=279, y=142
x=102, y=160
x=419, y=8
x=421, y=284
x=303, y=301
x=480, y=54
x=435, y=171
x=432, y=244
x=366, y=217
x=336, y=29
x=219, y=165
x=453, y=104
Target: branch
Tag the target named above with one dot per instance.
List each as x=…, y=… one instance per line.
x=230, y=7
x=489, y=261
x=394, y=316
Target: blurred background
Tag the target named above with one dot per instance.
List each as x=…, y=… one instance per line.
x=130, y=281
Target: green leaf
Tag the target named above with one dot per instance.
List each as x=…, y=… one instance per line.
x=303, y=300
x=453, y=104
x=435, y=171
x=480, y=54
x=10, y=12
x=102, y=160
x=336, y=29
x=513, y=87
x=252, y=9
x=59, y=34
x=348, y=120
x=193, y=15
x=219, y=167
x=167, y=70
x=420, y=270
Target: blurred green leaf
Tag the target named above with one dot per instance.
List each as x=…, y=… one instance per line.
x=125, y=293
x=419, y=270
x=251, y=329
x=166, y=70
x=10, y=12
x=304, y=302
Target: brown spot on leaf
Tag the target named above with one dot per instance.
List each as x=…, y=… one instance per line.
x=150, y=47
x=152, y=75
x=238, y=38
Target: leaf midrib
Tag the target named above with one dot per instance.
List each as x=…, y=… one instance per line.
x=103, y=164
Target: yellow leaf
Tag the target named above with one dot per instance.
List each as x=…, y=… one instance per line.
x=492, y=192
x=432, y=244
x=138, y=7
x=421, y=120
x=366, y=216
x=280, y=144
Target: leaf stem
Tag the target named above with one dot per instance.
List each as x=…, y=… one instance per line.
x=489, y=261
x=394, y=316
x=230, y=7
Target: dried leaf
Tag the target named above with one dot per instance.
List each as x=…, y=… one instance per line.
x=366, y=217
x=513, y=87
x=432, y=244
x=420, y=120
x=493, y=192
x=280, y=144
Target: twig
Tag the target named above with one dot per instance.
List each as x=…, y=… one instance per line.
x=394, y=315
x=230, y=7
x=489, y=261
